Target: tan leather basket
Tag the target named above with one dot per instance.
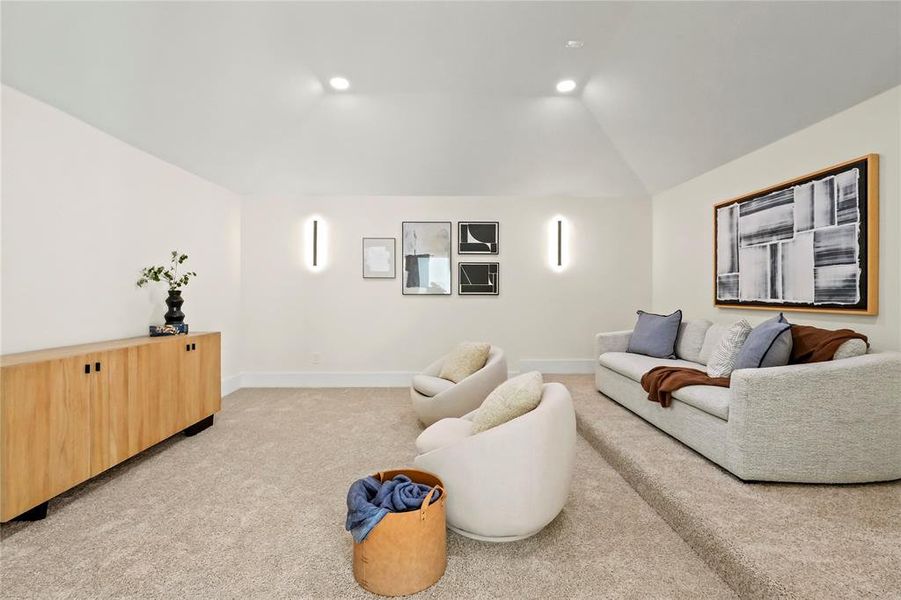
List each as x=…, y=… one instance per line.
x=407, y=551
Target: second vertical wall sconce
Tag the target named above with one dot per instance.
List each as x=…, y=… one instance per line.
x=558, y=243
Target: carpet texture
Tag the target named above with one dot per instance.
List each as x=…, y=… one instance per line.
x=254, y=508
x=766, y=540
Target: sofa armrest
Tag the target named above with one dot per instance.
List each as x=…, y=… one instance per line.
x=613, y=341
x=834, y=421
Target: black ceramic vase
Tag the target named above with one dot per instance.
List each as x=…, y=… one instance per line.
x=174, y=302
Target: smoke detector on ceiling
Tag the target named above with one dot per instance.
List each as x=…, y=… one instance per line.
x=574, y=43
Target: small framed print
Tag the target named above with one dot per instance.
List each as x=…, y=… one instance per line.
x=477, y=237
x=379, y=258
x=479, y=279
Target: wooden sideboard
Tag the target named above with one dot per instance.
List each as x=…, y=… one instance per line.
x=67, y=414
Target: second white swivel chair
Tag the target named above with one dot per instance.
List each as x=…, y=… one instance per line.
x=435, y=398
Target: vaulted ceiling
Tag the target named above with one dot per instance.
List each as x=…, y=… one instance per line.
x=451, y=98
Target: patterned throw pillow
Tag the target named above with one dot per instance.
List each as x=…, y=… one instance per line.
x=722, y=361
x=513, y=398
x=464, y=360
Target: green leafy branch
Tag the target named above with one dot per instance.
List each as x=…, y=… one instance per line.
x=169, y=275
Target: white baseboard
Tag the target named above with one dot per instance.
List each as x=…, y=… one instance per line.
x=558, y=366
x=326, y=379
x=231, y=384
x=338, y=379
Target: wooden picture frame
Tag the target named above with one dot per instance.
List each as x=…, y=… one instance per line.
x=843, y=275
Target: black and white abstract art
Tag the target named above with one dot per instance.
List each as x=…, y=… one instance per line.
x=803, y=244
x=477, y=237
x=427, y=257
x=479, y=279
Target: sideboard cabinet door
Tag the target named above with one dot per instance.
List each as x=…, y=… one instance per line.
x=45, y=425
x=200, y=382
x=154, y=371
x=111, y=412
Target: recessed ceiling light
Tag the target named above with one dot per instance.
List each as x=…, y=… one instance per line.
x=339, y=83
x=574, y=43
x=566, y=86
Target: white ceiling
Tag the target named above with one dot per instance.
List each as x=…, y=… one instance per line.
x=450, y=98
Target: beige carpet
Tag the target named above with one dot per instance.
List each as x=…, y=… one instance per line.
x=765, y=540
x=254, y=508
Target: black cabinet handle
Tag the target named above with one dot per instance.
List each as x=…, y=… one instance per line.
x=193, y=346
x=187, y=347
x=87, y=369
x=97, y=366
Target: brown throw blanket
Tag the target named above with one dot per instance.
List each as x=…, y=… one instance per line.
x=809, y=345
x=661, y=382
x=812, y=344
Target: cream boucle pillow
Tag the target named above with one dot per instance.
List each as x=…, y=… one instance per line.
x=850, y=349
x=513, y=398
x=464, y=360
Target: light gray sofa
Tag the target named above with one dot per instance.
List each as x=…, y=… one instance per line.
x=828, y=422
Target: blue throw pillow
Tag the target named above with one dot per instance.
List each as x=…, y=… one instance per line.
x=768, y=345
x=655, y=335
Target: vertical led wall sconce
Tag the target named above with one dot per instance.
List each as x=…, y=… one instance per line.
x=315, y=243
x=558, y=243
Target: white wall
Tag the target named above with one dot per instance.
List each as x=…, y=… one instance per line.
x=682, y=216
x=362, y=326
x=82, y=213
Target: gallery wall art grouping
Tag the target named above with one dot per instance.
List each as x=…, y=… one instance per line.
x=426, y=258
x=807, y=244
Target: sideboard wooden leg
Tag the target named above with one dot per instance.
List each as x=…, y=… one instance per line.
x=35, y=514
x=199, y=426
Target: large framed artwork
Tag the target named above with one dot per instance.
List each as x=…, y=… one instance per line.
x=477, y=237
x=809, y=244
x=427, y=258
x=478, y=279
x=379, y=258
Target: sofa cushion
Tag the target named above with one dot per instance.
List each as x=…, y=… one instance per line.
x=655, y=335
x=430, y=386
x=634, y=366
x=513, y=398
x=443, y=433
x=691, y=338
x=768, y=345
x=711, y=399
x=464, y=360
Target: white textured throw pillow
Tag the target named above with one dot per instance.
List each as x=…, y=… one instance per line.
x=513, y=398
x=722, y=360
x=712, y=339
x=464, y=360
x=850, y=349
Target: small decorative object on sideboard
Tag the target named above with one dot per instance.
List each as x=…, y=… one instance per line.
x=176, y=281
x=169, y=329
